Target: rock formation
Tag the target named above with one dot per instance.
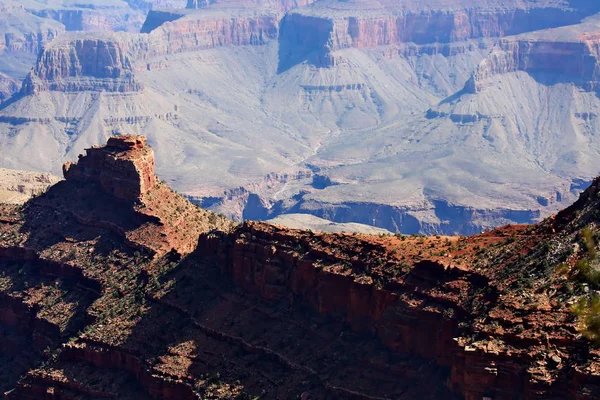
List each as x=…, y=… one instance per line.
x=157, y=4
x=358, y=92
x=19, y=186
x=544, y=54
x=8, y=87
x=124, y=168
x=209, y=29
x=279, y=5
x=87, y=311
x=159, y=220
x=93, y=65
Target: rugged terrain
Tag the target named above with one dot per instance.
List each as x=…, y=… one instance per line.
x=19, y=186
x=440, y=117
x=113, y=286
x=26, y=26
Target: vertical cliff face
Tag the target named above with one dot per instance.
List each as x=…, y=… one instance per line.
x=83, y=64
x=305, y=38
x=340, y=26
x=8, y=87
x=124, y=168
x=156, y=18
x=353, y=29
x=277, y=5
x=422, y=311
x=208, y=30
x=536, y=55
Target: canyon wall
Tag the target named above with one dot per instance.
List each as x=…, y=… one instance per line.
x=532, y=56
x=8, y=87
x=435, y=26
x=89, y=19
x=305, y=35
x=279, y=5
x=108, y=63
x=30, y=41
x=209, y=30
x=406, y=315
x=156, y=4
x=334, y=29
x=83, y=64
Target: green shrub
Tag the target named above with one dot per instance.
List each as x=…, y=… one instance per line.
x=587, y=311
x=587, y=272
x=590, y=244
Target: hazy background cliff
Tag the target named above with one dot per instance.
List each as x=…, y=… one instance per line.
x=440, y=116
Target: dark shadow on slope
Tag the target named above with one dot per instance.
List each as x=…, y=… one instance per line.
x=303, y=39
x=274, y=350
x=29, y=333
x=79, y=213
x=12, y=100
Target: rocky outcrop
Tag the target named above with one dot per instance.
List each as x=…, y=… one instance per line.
x=36, y=33
x=208, y=30
x=276, y=311
x=540, y=56
x=152, y=217
x=408, y=315
x=334, y=25
x=8, y=87
x=124, y=167
x=83, y=64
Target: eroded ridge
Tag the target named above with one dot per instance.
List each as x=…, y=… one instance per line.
x=101, y=297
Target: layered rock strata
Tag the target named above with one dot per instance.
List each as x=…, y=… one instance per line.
x=411, y=314
x=264, y=310
x=124, y=168
x=536, y=56
x=83, y=65
x=338, y=25
x=8, y=87
x=280, y=5
x=159, y=221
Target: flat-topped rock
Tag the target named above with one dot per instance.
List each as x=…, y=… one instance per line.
x=127, y=142
x=124, y=167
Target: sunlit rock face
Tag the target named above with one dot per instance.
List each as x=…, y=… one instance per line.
x=448, y=117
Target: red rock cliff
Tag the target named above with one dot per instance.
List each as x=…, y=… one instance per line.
x=409, y=315
x=124, y=167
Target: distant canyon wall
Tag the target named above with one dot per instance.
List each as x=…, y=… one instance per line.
x=280, y=5
x=339, y=30
x=575, y=60
x=78, y=19
x=83, y=64
x=302, y=37
x=29, y=42
x=109, y=63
